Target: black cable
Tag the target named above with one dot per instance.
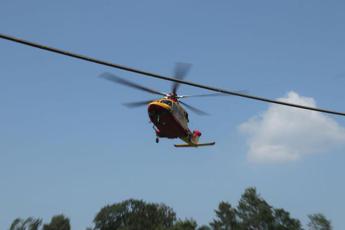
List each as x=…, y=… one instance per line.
x=153, y=75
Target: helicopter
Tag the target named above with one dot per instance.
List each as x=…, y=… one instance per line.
x=169, y=118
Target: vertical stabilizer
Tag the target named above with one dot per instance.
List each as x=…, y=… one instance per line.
x=196, y=136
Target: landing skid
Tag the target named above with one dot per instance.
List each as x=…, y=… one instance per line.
x=195, y=145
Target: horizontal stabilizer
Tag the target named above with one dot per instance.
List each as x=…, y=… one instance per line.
x=195, y=145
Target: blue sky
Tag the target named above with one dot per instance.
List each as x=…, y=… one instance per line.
x=67, y=145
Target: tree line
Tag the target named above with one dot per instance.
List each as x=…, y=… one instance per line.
x=251, y=213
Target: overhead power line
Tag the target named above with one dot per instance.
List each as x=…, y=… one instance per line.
x=158, y=76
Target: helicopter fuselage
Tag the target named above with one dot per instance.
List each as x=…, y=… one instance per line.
x=169, y=118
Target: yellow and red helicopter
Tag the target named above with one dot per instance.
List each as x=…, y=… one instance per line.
x=169, y=118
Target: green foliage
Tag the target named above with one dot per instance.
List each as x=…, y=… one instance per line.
x=134, y=214
x=283, y=221
x=319, y=222
x=58, y=222
x=29, y=223
x=185, y=225
x=204, y=227
x=225, y=217
x=252, y=212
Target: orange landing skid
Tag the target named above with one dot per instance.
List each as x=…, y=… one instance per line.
x=194, y=145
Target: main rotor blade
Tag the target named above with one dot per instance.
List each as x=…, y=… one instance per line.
x=193, y=109
x=208, y=95
x=137, y=104
x=180, y=72
x=116, y=79
x=158, y=76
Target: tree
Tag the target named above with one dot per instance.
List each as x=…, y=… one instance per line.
x=134, y=214
x=185, y=225
x=29, y=223
x=283, y=221
x=58, y=222
x=254, y=212
x=225, y=217
x=319, y=222
x=204, y=227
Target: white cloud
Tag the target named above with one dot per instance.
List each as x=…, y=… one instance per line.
x=282, y=134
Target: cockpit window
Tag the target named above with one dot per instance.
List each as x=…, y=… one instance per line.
x=167, y=102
